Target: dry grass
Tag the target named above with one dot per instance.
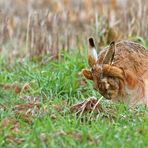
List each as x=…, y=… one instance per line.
x=36, y=27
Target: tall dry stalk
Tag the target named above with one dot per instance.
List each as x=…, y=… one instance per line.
x=51, y=26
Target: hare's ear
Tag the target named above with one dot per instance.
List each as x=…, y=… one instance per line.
x=110, y=54
x=113, y=71
x=92, y=53
x=87, y=74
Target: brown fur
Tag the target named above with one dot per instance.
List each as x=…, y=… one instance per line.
x=125, y=77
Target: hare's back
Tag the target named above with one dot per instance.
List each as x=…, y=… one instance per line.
x=129, y=48
x=129, y=55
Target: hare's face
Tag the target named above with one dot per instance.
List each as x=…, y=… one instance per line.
x=108, y=86
x=107, y=79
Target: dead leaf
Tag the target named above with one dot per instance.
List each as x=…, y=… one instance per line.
x=26, y=107
x=59, y=107
x=32, y=109
x=13, y=139
x=10, y=121
x=26, y=118
x=17, y=89
x=31, y=99
x=14, y=87
x=6, y=121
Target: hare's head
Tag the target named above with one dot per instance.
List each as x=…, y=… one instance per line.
x=107, y=79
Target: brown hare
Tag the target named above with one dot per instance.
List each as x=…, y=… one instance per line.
x=119, y=72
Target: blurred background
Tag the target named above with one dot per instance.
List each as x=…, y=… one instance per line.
x=38, y=27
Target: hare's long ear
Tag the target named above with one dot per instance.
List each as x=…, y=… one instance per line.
x=110, y=54
x=113, y=71
x=87, y=73
x=92, y=53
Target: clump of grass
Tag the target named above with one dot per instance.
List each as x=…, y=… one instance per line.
x=140, y=40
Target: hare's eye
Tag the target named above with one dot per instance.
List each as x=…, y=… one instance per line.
x=92, y=69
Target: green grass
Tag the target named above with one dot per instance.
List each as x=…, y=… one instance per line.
x=55, y=87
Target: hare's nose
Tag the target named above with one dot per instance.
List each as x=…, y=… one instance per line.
x=107, y=85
